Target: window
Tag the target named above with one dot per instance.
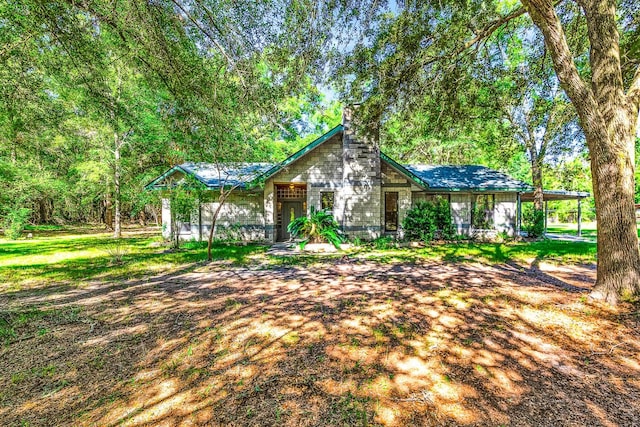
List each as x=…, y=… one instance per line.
x=326, y=200
x=391, y=211
x=482, y=211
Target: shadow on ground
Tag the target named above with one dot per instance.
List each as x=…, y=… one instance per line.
x=340, y=343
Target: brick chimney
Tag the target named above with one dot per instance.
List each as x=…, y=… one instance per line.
x=360, y=176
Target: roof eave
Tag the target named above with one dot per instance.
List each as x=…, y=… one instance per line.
x=153, y=184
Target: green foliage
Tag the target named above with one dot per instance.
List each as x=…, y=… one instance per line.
x=183, y=198
x=533, y=221
x=429, y=220
x=482, y=212
x=15, y=221
x=319, y=226
x=383, y=242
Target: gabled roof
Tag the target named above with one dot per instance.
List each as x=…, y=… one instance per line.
x=228, y=175
x=465, y=178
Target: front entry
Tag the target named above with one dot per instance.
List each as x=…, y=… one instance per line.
x=290, y=211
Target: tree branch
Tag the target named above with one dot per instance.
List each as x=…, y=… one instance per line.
x=633, y=94
x=604, y=54
x=204, y=31
x=544, y=16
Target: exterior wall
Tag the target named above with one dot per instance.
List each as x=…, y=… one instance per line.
x=505, y=214
x=461, y=212
x=346, y=166
x=320, y=170
x=242, y=217
x=268, y=205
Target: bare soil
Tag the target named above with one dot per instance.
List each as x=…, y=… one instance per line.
x=338, y=343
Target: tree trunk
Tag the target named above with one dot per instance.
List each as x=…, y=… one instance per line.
x=221, y=200
x=609, y=120
x=618, y=256
x=117, y=233
x=536, y=176
x=108, y=214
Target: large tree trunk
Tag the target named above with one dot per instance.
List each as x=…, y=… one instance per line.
x=618, y=258
x=609, y=119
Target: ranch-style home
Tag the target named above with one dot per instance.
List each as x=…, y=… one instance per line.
x=367, y=192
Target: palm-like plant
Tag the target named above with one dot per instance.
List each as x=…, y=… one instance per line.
x=319, y=226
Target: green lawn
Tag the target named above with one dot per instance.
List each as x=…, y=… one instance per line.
x=71, y=259
x=523, y=252
x=589, y=229
x=74, y=259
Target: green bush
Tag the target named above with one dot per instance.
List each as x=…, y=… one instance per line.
x=429, y=220
x=319, y=226
x=15, y=222
x=383, y=242
x=533, y=221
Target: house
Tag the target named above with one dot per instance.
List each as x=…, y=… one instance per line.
x=367, y=192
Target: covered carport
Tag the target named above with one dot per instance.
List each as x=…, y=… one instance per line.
x=551, y=195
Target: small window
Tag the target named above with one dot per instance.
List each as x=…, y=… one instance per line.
x=482, y=212
x=391, y=211
x=326, y=200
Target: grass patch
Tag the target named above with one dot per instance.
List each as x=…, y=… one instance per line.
x=74, y=259
x=549, y=250
x=589, y=229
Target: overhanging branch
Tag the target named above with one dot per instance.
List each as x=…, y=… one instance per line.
x=634, y=90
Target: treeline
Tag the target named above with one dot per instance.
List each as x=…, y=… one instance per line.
x=98, y=99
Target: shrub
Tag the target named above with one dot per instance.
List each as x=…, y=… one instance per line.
x=319, y=226
x=429, y=220
x=15, y=222
x=383, y=242
x=533, y=222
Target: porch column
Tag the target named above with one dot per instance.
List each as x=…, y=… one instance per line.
x=518, y=214
x=546, y=214
x=579, y=217
x=199, y=222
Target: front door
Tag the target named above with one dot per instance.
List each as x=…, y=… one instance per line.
x=290, y=211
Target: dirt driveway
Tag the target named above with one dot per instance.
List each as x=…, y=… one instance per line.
x=338, y=343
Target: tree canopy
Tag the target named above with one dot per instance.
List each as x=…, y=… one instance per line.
x=97, y=96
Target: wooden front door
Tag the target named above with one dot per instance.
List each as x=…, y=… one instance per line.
x=290, y=211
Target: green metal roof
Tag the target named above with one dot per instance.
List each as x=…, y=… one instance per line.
x=243, y=175
x=466, y=178
x=436, y=178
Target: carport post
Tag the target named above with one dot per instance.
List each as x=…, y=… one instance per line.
x=546, y=214
x=518, y=215
x=579, y=217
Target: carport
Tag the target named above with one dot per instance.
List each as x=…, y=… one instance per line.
x=551, y=195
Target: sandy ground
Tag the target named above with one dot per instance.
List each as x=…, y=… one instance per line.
x=340, y=343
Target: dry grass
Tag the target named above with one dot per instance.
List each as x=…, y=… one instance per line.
x=341, y=343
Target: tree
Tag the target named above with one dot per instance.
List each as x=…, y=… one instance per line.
x=529, y=99
x=403, y=54
x=608, y=111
